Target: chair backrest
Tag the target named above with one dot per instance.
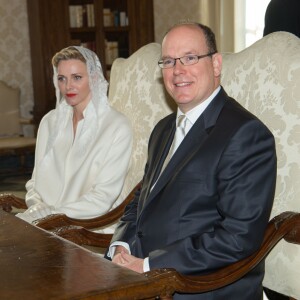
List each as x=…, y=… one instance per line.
x=10, y=111
x=265, y=78
x=136, y=89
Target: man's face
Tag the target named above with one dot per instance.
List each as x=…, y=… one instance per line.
x=190, y=85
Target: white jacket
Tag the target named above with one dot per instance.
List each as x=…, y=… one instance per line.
x=81, y=184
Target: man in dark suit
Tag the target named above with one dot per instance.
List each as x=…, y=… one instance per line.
x=210, y=204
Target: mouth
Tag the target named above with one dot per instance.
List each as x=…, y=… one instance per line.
x=182, y=84
x=70, y=95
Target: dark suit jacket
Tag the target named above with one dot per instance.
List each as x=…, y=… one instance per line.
x=210, y=206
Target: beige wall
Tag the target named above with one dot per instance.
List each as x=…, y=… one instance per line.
x=15, y=51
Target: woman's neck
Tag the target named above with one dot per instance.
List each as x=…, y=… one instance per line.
x=77, y=117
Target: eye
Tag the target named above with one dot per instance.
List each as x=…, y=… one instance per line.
x=168, y=62
x=60, y=78
x=77, y=77
x=191, y=58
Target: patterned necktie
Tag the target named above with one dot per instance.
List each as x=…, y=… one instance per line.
x=178, y=137
x=179, y=134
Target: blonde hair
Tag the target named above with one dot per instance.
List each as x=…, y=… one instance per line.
x=66, y=54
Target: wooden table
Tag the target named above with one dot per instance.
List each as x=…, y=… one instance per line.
x=35, y=264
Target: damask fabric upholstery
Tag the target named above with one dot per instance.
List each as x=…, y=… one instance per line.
x=136, y=89
x=264, y=78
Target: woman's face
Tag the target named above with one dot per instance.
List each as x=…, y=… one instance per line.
x=73, y=83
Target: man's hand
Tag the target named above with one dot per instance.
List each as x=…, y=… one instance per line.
x=118, y=259
x=123, y=258
x=131, y=262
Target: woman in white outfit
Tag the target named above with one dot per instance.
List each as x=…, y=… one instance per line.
x=83, y=145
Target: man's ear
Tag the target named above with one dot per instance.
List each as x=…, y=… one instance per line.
x=217, y=64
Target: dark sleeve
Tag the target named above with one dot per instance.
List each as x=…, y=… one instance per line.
x=245, y=182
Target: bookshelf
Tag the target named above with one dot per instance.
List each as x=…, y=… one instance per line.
x=111, y=28
x=101, y=25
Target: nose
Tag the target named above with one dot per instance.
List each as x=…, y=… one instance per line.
x=178, y=67
x=68, y=84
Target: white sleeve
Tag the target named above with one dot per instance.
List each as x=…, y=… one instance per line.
x=32, y=196
x=112, y=248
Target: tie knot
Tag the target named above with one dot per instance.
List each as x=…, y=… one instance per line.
x=181, y=121
x=181, y=124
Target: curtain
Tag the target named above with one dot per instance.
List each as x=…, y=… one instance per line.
x=219, y=16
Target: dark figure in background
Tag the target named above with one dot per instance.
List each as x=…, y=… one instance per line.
x=283, y=15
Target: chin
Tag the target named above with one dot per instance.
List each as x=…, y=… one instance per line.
x=71, y=103
x=183, y=101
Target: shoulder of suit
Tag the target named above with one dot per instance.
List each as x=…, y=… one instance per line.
x=234, y=115
x=167, y=119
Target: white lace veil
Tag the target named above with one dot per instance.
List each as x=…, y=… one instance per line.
x=97, y=106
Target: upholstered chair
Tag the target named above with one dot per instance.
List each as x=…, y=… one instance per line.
x=136, y=89
x=265, y=78
x=12, y=140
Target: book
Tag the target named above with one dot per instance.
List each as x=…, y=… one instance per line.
x=76, y=16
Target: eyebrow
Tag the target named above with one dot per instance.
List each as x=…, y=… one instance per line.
x=185, y=54
x=73, y=74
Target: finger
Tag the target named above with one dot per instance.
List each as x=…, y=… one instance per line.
x=122, y=260
x=127, y=257
x=118, y=259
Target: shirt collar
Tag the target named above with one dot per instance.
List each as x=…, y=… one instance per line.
x=196, y=112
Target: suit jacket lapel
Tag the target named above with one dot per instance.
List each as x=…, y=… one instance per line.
x=191, y=143
x=167, y=139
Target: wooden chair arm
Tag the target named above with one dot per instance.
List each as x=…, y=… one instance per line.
x=285, y=225
x=8, y=201
x=82, y=236
x=61, y=220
